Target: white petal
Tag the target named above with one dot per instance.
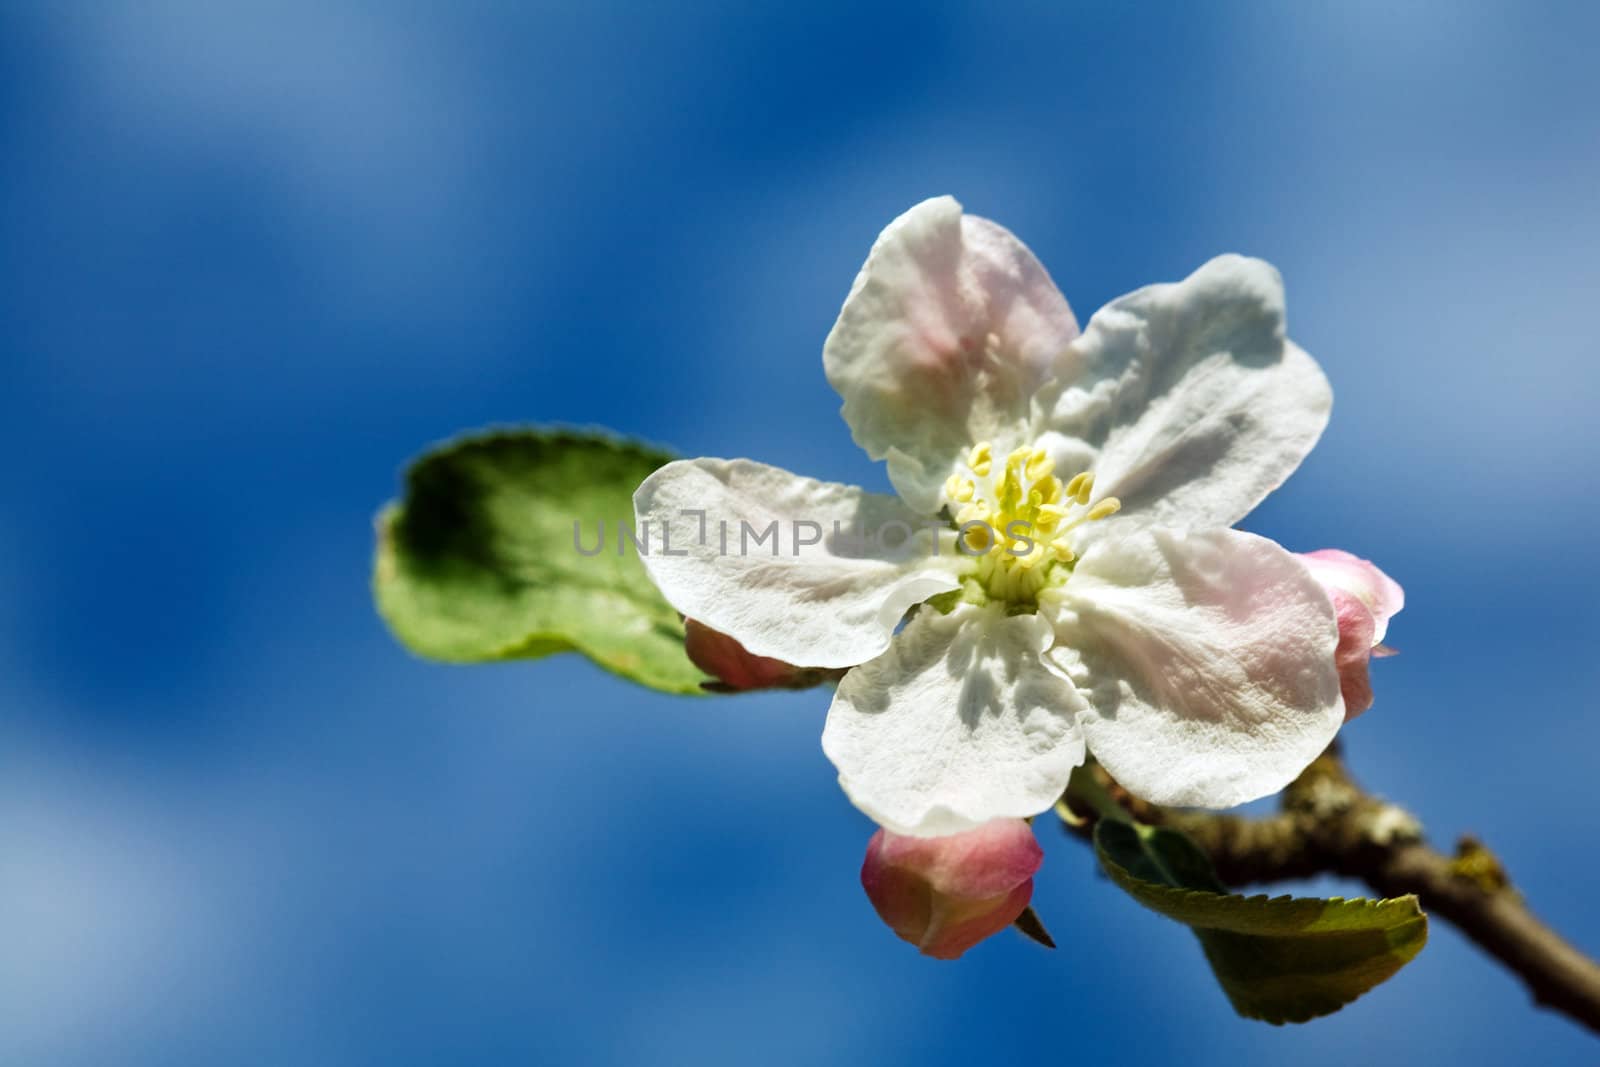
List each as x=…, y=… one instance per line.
x=1197, y=403
x=958, y=723
x=1206, y=660
x=830, y=604
x=950, y=328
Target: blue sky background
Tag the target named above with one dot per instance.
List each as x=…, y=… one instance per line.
x=254, y=256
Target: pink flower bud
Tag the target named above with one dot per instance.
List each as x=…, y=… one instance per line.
x=1363, y=598
x=727, y=661
x=945, y=894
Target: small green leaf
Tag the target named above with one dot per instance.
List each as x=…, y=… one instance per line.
x=1282, y=960
x=479, y=563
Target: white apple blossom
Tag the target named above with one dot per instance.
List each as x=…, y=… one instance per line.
x=1089, y=593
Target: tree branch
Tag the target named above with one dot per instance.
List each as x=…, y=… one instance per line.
x=1329, y=825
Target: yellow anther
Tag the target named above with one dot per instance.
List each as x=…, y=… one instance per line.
x=1106, y=508
x=1078, y=488
x=1032, y=557
x=996, y=495
x=981, y=458
x=976, y=511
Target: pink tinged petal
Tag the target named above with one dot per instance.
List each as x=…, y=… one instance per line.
x=1207, y=661
x=830, y=597
x=1193, y=397
x=945, y=894
x=1381, y=594
x=1364, y=599
x=950, y=328
x=957, y=724
x=730, y=662
x=1354, y=651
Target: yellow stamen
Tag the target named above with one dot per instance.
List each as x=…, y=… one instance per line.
x=1036, y=554
x=977, y=511
x=1106, y=508
x=1015, y=463
x=1020, y=492
x=980, y=459
x=1079, y=486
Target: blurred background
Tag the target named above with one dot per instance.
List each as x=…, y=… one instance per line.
x=256, y=256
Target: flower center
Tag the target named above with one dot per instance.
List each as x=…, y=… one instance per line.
x=1015, y=518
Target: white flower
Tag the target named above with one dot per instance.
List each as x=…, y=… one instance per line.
x=1114, y=610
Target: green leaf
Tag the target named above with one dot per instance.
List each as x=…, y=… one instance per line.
x=478, y=562
x=1282, y=960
